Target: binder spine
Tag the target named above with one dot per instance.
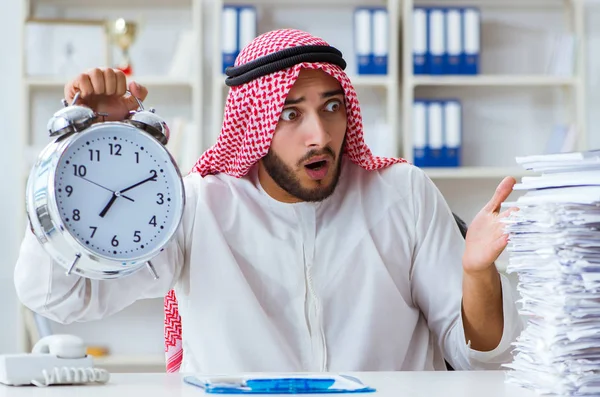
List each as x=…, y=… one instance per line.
x=420, y=133
x=379, y=22
x=229, y=34
x=420, y=48
x=435, y=133
x=437, y=41
x=472, y=39
x=454, y=35
x=452, y=133
x=363, y=40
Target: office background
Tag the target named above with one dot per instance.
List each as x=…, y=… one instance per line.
x=505, y=112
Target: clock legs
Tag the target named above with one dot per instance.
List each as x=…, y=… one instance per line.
x=77, y=257
x=152, y=270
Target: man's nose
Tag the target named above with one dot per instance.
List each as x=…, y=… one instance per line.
x=317, y=134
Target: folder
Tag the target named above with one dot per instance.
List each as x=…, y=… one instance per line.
x=420, y=133
x=379, y=23
x=437, y=41
x=229, y=35
x=435, y=133
x=419, y=50
x=472, y=40
x=452, y=133
x=453, y=28
x=362, y=40
x=247, y=21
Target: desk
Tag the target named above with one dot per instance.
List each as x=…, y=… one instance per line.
x=388, y=384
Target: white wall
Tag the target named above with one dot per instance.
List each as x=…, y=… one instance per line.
x=465, y=197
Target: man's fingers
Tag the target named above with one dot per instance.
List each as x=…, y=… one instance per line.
x=110, y=82
x=81, y=84
x=97, y=79
x=137, y=91
x=502, y=192
x=121, y=82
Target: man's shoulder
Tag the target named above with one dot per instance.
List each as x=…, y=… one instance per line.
x=398, y=175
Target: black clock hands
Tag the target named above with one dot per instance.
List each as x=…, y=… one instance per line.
x=119, y=193
x=152, y=178
x=105, y=188
x=110, y=203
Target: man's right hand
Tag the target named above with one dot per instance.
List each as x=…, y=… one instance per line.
x=103, y=90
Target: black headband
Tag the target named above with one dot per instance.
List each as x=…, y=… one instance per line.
x=280, y=60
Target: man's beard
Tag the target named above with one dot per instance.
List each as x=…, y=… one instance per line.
x=286, y=178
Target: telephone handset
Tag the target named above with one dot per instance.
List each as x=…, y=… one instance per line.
x=55, y=359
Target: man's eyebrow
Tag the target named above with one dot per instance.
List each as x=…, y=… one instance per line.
x=326, y=94
x=332, y=93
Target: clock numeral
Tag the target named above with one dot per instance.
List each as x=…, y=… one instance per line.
x=94, y=154
x=161, y=198
x=69, y=190
x=152, y=221
x=76, y=215
x=136, y=237
x=94, y=228
x=115, y=149
x=79, y=170
x=137, y=157
x=114, y=241
x=153, y=174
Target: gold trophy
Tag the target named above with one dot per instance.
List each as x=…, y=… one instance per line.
x=123, y=34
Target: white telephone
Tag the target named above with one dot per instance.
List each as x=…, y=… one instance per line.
x=55, y=359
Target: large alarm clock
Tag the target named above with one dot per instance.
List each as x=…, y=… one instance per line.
x=104, y=198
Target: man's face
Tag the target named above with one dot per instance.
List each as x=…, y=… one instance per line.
x=303, y=162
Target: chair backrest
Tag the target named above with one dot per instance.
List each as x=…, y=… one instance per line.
x=173, y=347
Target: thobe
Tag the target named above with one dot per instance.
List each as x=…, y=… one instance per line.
x=369, y=279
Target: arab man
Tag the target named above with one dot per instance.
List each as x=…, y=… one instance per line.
x=299, y=249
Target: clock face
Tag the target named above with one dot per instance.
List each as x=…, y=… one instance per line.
x=118, y=192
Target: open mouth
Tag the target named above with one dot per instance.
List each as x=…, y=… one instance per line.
x=316, y=165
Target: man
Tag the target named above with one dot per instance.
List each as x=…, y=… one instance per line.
x=299, y=250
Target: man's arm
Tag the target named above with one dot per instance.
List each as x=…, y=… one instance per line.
x=482, y=311
x=451, y=299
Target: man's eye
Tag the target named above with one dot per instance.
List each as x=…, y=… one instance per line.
x=289, y=114
x=333, y=106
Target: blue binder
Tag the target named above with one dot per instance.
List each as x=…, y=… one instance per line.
x=472, y=40
x=420, y=39
x=435, y=133
x=420, y=133
x=380, y=43
x=451, y=153
x=454, y=41
x=363, y=40
x=436, y=41
x=229, y=43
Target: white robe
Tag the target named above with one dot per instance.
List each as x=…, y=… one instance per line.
x=369, y=279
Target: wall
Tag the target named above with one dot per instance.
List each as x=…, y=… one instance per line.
x=10, y=69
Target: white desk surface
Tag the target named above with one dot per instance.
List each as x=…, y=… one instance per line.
x=388, y=384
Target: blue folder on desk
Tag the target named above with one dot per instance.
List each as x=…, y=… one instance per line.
x=279, y=384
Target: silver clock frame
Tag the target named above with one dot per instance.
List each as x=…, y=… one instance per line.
x=47, y=224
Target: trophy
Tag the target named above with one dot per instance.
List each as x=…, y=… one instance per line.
x=123, y=34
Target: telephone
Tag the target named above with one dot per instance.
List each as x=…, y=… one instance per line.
x=54, y=359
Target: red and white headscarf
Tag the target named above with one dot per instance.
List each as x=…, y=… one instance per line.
x=251, y=114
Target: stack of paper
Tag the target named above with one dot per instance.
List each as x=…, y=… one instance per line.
x=554, y=248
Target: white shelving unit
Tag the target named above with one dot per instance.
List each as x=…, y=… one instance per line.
x=41, y=96
x=573, y=87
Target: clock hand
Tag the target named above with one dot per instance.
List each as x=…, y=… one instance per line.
x=152, y=178
x=110, y=203
x=105, y=188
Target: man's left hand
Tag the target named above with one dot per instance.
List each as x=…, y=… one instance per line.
x=485, y=238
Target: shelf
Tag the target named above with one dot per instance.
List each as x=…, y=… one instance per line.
x=115, y=3
x=474, y=172
x=498, y=81
x=148, y=81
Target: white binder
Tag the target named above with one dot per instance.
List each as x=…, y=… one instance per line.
x=229, y=36
x=452, y=133
x=435, y=133
x=420, y=133
x=419, y=30
x=380, y=40
x=362, y=40
x=454, y=40
x=471, y=23
x=437, y=41
x=247, y=25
